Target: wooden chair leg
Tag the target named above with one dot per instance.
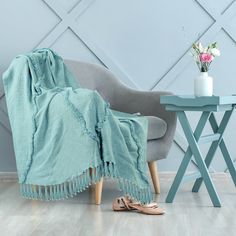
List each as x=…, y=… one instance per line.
x=154, y=175
x=98, y=192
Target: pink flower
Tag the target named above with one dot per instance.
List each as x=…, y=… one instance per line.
x=206, y=57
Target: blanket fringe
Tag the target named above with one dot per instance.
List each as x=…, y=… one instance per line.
x=83, y=181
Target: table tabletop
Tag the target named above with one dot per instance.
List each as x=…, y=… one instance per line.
x=193, y=103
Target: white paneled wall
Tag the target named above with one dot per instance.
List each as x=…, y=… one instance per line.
x=144, y=43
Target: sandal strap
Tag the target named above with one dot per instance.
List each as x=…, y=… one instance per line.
x=125, y=202
x=150, y=205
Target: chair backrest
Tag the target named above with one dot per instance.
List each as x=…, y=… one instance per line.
x=95, y=77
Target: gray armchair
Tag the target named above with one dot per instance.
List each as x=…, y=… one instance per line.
x=162, y=124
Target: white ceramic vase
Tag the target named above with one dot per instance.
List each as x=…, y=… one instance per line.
x=203, y=85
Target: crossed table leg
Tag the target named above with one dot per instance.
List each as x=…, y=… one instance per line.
x=220, y=142
x=193, y=149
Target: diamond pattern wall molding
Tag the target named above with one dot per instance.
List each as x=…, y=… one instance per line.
x=65, y=22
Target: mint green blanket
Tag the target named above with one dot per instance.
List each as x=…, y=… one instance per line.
x=66, y=137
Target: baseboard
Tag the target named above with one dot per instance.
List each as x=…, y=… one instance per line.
x=8, y=176
x=13, y=177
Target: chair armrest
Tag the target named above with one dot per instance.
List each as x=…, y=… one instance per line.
x=148, y=104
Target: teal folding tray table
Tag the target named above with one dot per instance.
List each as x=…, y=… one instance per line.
x=207, y=106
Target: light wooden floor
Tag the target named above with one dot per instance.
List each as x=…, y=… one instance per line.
x=190, y=214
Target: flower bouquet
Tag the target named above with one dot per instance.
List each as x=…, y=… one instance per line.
x=203, y=84
x=204, y=56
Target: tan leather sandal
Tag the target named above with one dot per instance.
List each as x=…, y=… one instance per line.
x=126, y=204
x=148, y=209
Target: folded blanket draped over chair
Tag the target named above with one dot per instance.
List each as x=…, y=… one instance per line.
x=66, y=137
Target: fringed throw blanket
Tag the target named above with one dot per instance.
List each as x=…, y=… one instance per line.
x=66, y=137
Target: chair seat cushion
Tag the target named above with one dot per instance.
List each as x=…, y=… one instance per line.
x=156, y=127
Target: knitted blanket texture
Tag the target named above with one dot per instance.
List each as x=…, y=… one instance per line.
x=67, y=137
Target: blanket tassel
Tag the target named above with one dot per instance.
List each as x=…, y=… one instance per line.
x=83, y=181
